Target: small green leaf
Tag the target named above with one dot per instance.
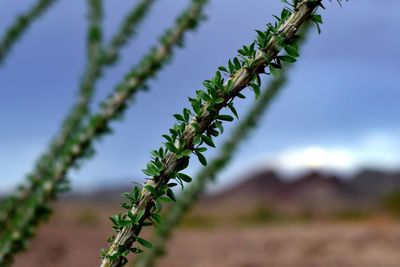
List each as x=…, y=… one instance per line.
x=144, y=242
x=201, y=158
x=186, y=114
x=232, y=108
x=225, y=117
x=274, y=71
x=151, y=189
x=219, y=100
x=291, y=50
x=140, y=215
x=184, y=177
x=167, y=137
x=156, y=218
x=222, y=68
x=179, y=117
x=186, y=152
x=288, y=59
x=208, y=140
x=201, y=149
x=256, y=89
x=165, y=199
x=197, y=140
x=171, y=147
x=219, y=126
x=171, y=194
x=203, y=95
x=172, y=184
x=316, y=18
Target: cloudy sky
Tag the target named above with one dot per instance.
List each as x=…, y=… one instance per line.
x=340, y=109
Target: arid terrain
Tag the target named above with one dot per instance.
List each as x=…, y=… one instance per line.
x=74, y=237
x=314, y=221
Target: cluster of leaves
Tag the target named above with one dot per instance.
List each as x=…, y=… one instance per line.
x=21, y=24
x=196, y=127
x=193, y=132
x=79, y=145
x=17, y=205
x=190, y=195
x=36, y=179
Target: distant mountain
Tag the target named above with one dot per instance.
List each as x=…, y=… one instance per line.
x=262, y=185
x=311, y=192
x=372, y=184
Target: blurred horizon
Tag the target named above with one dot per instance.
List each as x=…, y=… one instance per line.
x=339, y=111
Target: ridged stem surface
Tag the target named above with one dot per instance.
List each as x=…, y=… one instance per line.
x=128, y=235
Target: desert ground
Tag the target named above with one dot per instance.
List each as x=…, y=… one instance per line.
x=76, y=232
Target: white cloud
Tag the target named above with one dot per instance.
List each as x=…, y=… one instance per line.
x=315, y=157
x=372, y=150
x=375, y=149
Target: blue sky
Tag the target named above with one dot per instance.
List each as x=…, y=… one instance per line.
x=339, y=110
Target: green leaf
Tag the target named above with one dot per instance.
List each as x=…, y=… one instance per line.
x=195, y=105
x=225, y=117
x=131, y=216
x=114, y=219
x=136, y=250
x=225, y=89
x=219, y=100
x=140, y=215
x=184, y=177
x=237, y=63
x=256, y=89
x=127, y=195
x=171, y=147
x=287, y=59
x=151, y=169
x=232, y=108
x=219, y=126
x=222, y=68
x=275, y=72
x=208, y=140
x=171, y=194
x=172, y=184
x=203, y=95
x=151, y=189
x=316, y=18
x=167, y=137
x=136, y=193
x=124, y=223
x=186, y=152
x=201, y=158
x=291, y=50
x=179, y=117
x=186, y=114
x=156, y=218
x=201, y=149
x=165, y=199
x=197, y=140
x=144, y=242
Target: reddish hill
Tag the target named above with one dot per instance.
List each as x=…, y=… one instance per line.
x=312, y=192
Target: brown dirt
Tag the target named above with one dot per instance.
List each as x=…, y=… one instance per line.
x=75, y=235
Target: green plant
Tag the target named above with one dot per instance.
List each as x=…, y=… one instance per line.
x=195, y=128
x=198, y=126
x=78, y=145
x=20, y=25
x=191, y=194
x=98, y=59
x=209, y=173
